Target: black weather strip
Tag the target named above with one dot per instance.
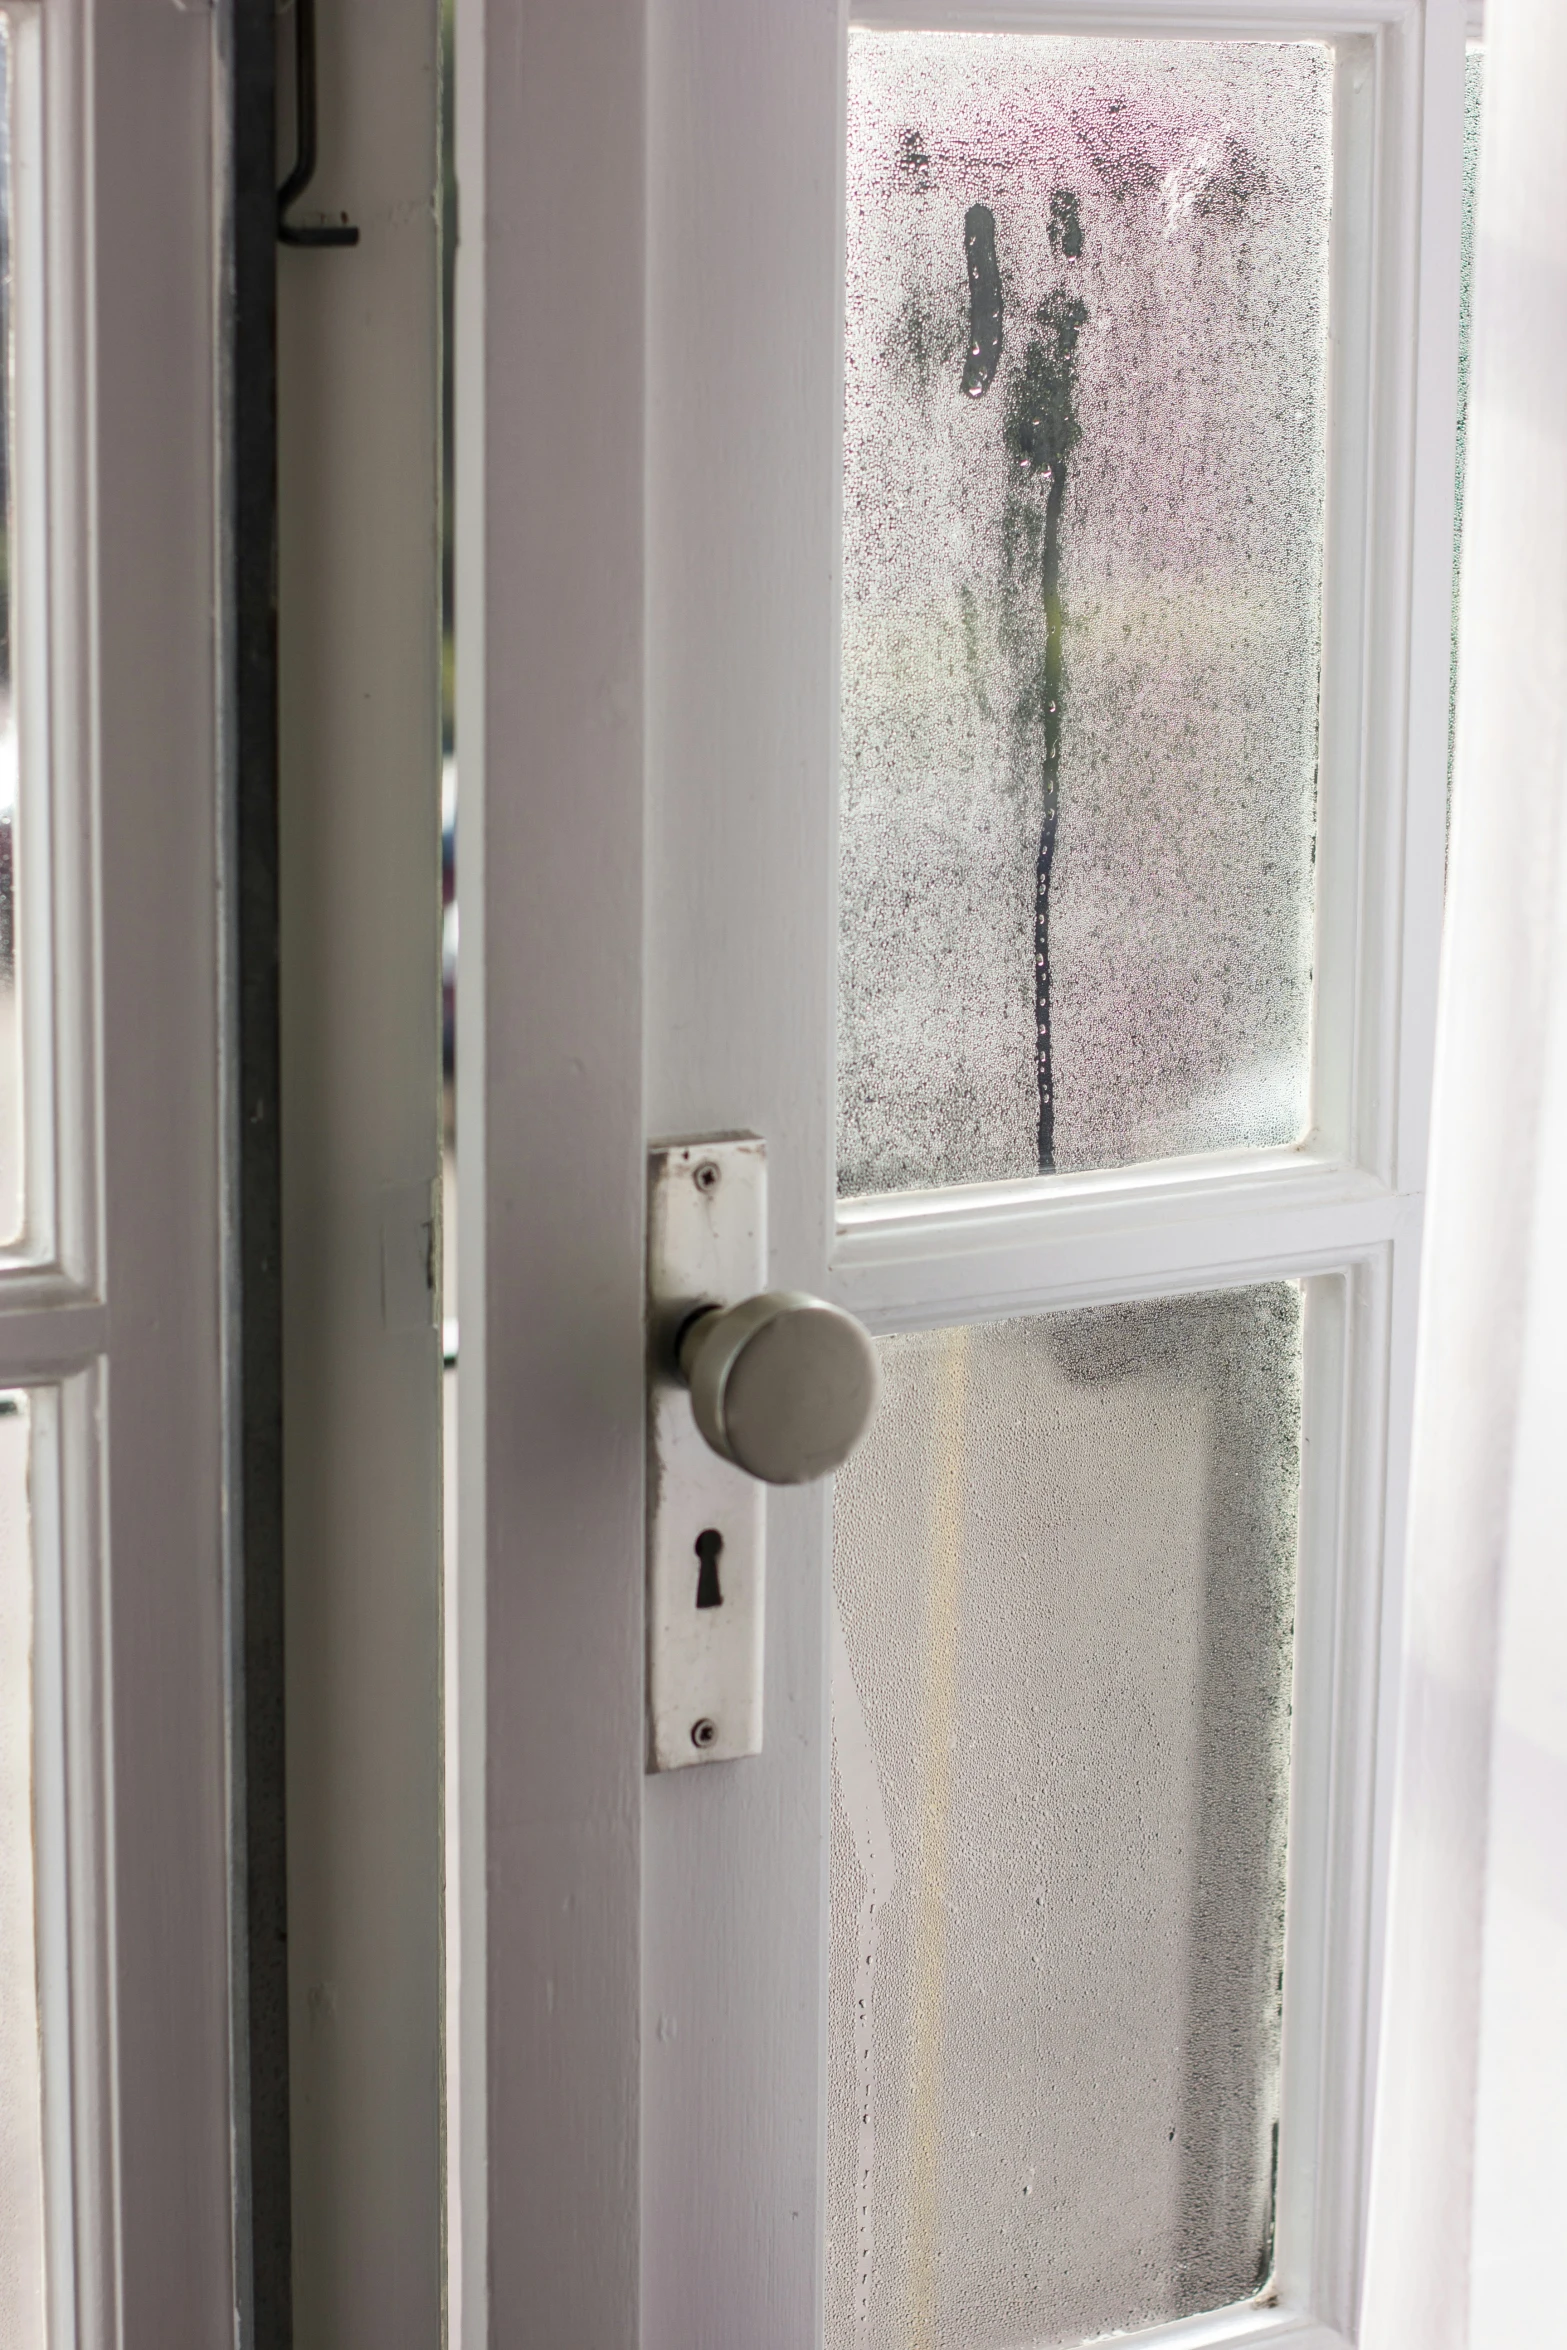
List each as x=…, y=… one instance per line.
x=253, y=1319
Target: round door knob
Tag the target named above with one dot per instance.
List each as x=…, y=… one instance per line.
x=783, y=1385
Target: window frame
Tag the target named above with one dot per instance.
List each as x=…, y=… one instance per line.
x=1342, y=1212
x=111, y=1300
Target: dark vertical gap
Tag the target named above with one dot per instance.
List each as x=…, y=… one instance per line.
x=448, y=341
x=259, y=1898
x=449, y=229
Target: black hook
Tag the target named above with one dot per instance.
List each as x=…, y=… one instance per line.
x=304, y=171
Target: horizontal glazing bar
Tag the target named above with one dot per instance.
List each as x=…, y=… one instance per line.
x=1274, y=20
x=1280, y=1176
x=988, y=1251
x=42, y=1340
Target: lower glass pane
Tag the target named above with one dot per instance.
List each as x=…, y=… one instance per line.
x=1064, y=1575
x=21, y=2101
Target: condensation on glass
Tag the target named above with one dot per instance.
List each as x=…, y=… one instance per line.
x=1064, y=1579
x=11, y=1161
x=22, y=2314
x=1474, y=92
x=1084, y=466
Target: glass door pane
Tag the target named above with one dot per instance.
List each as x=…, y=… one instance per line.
x=1064, y=1577
x=1085, y=411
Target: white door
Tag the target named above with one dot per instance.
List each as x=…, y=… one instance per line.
x=955, y=525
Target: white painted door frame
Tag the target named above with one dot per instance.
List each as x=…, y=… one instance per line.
x=648, y=402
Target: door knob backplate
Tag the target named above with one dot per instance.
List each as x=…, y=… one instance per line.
x=707, y=1246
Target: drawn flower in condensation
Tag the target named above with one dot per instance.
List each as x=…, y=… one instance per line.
x=1040, y=430
x=1135, y=158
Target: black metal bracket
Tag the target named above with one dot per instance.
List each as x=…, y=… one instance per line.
x=293, y=232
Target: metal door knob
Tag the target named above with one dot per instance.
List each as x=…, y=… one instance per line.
x=783, y=1385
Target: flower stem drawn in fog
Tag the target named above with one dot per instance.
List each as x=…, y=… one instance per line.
x=1041, y=431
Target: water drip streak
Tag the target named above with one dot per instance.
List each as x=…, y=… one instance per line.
x=984, y=298
x=1050, y=815
x=1041, y=432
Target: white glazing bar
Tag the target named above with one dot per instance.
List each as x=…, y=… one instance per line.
x=899, y=1274
x=1226, y=20
x=44, y=1341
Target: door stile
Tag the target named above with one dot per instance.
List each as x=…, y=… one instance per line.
x=744, y=394
x=550, y=1665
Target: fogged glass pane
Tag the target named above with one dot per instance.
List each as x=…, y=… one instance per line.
x=1064, y=1572
x=21, y=2152
x=1082, y=551
x=1474, y=91
x=10, y=1030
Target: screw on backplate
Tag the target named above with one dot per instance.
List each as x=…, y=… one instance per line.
x=706, y=1175
x=704, y=1732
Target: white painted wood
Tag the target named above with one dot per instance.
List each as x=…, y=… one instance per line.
x=359, y=711
x=551, y=160
x=1520, y=2156
x=732, y=307
x=1469, y=2141
x=111, y=1301
x=38, y=1341
x=744, y=173
x=152, y=745
x=940, y=1261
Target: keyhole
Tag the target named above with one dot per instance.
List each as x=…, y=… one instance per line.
x=708, y=1545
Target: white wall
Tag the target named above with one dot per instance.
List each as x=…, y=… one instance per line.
x=1471, y=2166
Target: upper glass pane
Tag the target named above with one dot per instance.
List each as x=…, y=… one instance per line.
x=1085, y=412
x=1064, y=1574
